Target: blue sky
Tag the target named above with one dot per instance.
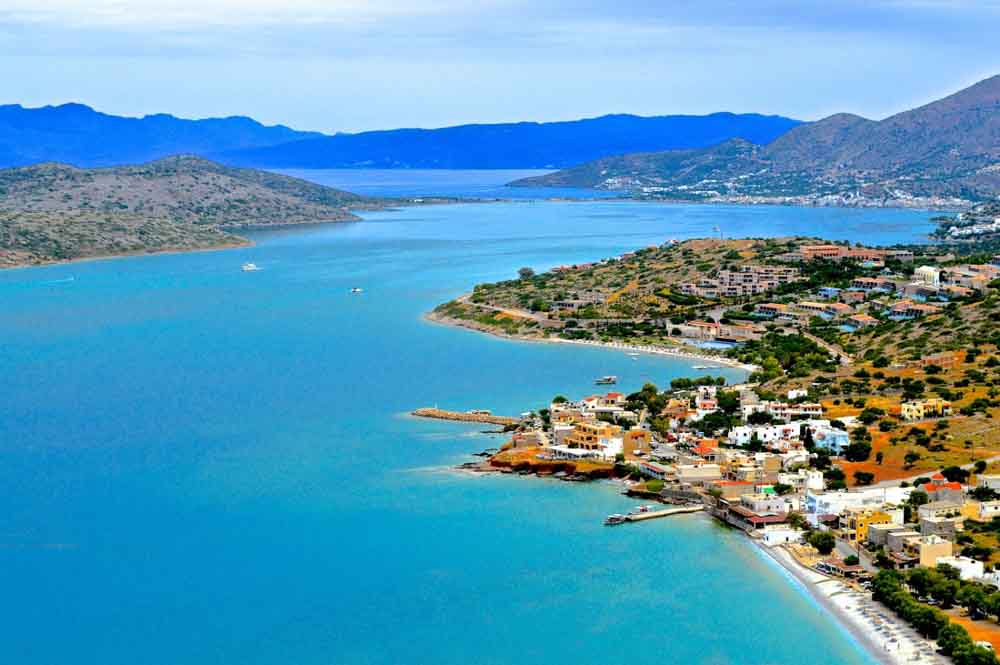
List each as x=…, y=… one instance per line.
x=350, y=65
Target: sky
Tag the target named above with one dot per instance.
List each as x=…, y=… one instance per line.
x=354, y=65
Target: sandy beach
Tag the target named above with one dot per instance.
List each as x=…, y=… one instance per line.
x=885, y=636
x=618, y=346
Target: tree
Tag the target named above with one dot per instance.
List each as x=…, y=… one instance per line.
x=559, y=399
x=910, y=458
x=525, y=273
x=851, y=560
x=918, y=498
x=863, y=477
x=807, y=439
x=823, y=541
x=879, y=456
x=983, y=493
x=955, y=474
x=980, y=466
x=796, y=520
x=782, y=489
x=944, y=591
x=973, y=598
x=759, y=418
x=858, y=451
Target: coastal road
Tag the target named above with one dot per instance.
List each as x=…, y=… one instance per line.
x=517, y=313
x=833, y=349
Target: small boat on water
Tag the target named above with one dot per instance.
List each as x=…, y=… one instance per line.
x=640, y=510
x=250, y=267
x=357, y=289
x=615, y=519
x=607, y=380
x=699, y=366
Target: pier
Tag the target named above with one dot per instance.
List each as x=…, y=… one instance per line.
x=465, y=416
x=652, y=514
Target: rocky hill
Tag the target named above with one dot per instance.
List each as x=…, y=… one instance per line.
x=52, y=212
x=946, y=152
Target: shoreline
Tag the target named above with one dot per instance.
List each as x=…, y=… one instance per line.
x=872, y=631
x=886, y=638
x=131, y=255
x=394, y=204
x=617, y=346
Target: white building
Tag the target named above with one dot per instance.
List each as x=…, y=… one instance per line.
x=783, y=410
x=834, y=503
x=778, y=534
x=609, y=449
x=968, y=569
x=804, y=479
x=989, y=509
x=928, y=275
x=991, y=481
x=774, y=436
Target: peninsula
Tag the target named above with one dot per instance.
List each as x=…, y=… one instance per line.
x=861, y=450
x=54, y=212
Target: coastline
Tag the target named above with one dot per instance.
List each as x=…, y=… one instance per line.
x=131, y=255
x=617, y=346
x=870, y=624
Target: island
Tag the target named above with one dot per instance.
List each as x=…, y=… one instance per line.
x=860, y=452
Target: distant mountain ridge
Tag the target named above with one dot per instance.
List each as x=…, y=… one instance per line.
x=512, y=145
x=948, y=150
x=77, y=134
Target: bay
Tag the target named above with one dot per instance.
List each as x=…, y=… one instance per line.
x=201, y=465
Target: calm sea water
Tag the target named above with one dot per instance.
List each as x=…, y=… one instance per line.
x=201, y=466
x=466, y=183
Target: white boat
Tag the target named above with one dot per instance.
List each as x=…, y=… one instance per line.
x=250, y=267
x=607, y=380
x=356, y=290
x=699, y=366
x=615, y=519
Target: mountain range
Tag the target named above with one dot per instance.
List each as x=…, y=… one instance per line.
x=512, y=145
x=945, y=151
x=78, y=135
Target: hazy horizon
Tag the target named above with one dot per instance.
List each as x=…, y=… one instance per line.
x=346, y=66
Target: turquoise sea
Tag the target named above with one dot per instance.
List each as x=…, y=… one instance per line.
x=200, y=465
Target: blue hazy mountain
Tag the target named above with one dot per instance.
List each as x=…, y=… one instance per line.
x=512, y=145
x=77, y=134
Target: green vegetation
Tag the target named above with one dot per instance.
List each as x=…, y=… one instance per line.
x=778, y=353
x=890, y=588
x=823, y=541
x=52, y=212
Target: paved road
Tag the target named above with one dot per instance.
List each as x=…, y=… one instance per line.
x=833, y=349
